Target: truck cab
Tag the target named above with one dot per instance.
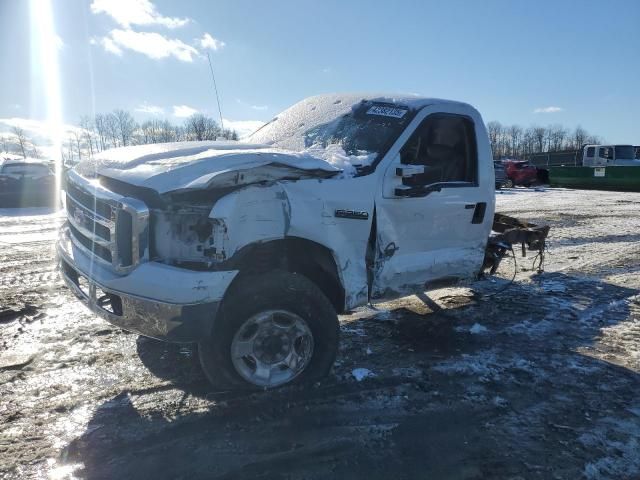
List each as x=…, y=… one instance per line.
x=251, y=250
x=609, y=155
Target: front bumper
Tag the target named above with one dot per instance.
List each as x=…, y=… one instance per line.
x=154, y=300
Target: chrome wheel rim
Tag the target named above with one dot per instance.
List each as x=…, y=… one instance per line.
x=272, y=348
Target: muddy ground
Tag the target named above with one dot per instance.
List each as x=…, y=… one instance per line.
x=540, y=381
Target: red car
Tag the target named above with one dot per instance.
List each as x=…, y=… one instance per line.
x=520, y=173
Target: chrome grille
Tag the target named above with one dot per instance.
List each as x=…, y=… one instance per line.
x=110, y=227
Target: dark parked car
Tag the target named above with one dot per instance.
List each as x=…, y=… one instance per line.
x=25, y=183
x=501, y=175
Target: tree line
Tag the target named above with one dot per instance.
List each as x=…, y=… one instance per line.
x=513, y=141
x=117, y=129
x=120, y=129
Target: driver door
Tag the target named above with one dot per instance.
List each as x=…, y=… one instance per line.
x=431, y=213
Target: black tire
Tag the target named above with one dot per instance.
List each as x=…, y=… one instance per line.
x=277, y=290
x=508, y=183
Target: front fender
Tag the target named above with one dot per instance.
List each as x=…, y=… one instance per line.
x=304, y=209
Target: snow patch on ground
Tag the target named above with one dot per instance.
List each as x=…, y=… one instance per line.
x=484, y=365
x=361, y=373
x=618, y=439
x=488, y=366
x=478, y=329
x=552, y=286
x=532, y=328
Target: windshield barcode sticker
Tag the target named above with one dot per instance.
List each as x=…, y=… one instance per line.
x=387, y=111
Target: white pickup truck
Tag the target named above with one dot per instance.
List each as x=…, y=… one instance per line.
x=251, y=249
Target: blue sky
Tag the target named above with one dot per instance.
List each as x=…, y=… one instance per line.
x=526, y=62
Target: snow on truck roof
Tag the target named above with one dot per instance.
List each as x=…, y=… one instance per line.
x=313, y=110
x=348, y=131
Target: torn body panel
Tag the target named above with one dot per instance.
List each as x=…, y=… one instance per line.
x=306, y=210
x=508, y=231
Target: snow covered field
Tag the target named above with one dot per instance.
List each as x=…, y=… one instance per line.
x=539, y=381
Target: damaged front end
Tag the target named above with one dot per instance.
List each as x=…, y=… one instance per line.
x=507, y=232
x=185, y=236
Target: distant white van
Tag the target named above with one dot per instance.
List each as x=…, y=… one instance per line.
x=608, y=155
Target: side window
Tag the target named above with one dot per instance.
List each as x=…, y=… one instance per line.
x=608, y=153
x=591, y=151
x=446, y=145
x=602, y=152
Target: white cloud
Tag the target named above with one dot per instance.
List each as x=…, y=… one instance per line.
x=110, y=46
x=550, y=109
x=135, y=12
x=253, y=107
x=151, y=44
x=151, y=109
x=183, y=111
x=208, y=42
x=243, y=127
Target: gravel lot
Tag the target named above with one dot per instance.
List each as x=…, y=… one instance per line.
x=539, y=381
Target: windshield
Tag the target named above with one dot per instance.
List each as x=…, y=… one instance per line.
x=625, y=152
x=348, y=132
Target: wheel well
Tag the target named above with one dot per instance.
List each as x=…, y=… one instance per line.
x=298, y=255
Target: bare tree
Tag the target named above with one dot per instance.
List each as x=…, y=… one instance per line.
x=77, y=142
x=88, y=133
x=21, y=138
x=200, y=127
x=556, y=136
x=515, y=135
x=494, y=129
x=539, y=136
x=102, y=130
x=579, y=137
x=126, y=126
x=111, y=127
x=594, y=140
x=529, y=141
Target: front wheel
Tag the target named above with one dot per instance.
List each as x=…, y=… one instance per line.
x=508, y=183
x=273, y=329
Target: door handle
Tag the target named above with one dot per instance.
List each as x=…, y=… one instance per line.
x=469, y=206
x=478, y=213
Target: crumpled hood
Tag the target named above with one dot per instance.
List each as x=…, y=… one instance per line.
x=170, y=167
